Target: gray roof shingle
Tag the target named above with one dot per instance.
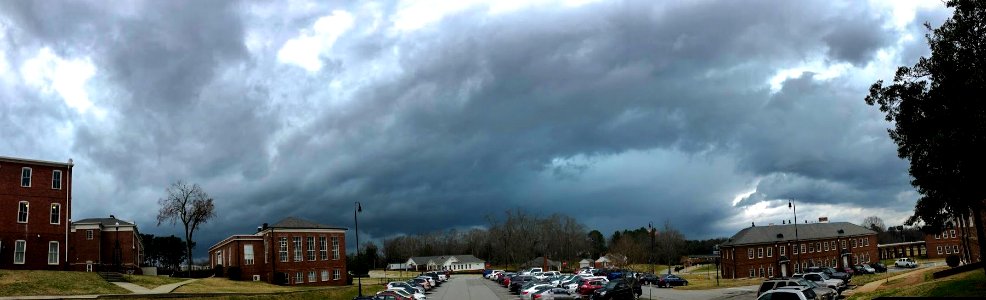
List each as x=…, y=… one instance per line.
x=781, y=233
x=104, y=222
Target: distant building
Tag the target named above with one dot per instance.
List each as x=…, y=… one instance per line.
x=585, y=263
x=949, y=242
x=454, y=263
x=540, y=262
x=36, y=200
x=292, y=251
x=611, y=260
x=105, y=244
x=776, y=250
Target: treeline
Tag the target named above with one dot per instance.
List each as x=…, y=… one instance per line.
x=165, y=252
x=519, y=237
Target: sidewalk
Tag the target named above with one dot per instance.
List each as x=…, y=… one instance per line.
x=872, y=286
x=133, y=288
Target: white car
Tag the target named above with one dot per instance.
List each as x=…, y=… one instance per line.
x=531, y=271
x=406, y=294
x=789, y=292
x=493, y=274
x=527, y=292
x=400, y=284
x=905, y=263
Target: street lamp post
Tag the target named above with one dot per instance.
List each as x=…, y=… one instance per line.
x=797, y=259
x=359, y=281
x=650, y=256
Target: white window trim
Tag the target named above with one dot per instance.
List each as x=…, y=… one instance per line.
x=27, y=213
x=323, y=248
x=59, y=172
x=953, y=233
x=939, y=249
x=955, y=249
x=783, y=250
x=57, y=254
x=283, y=249
x=325, y=275
x=803, y=248
x=310, y=253
x=335, y=248
x=770, y=252
x=336, y=274
x=89, y=235
x=298, y=245
x=24, y=252
x=760, y=252
x=58, y=220
x=30, y=174
x=248, y=260
x=312, y=277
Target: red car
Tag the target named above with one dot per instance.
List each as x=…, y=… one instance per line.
x=589, y=286
x=390, y=295
x=506, y=281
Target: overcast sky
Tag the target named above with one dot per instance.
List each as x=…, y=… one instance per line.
x=435, y=114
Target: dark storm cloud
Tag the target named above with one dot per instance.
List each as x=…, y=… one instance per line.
x=615, y=113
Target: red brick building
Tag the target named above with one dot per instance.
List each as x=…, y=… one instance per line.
x=105, y=244
x=949, y=241
x=293, y=251
x=36, y=201
x=783, y=250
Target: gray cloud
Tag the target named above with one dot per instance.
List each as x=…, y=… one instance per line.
x=615, y=113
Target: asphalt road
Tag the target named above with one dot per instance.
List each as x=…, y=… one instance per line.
x=475, y=287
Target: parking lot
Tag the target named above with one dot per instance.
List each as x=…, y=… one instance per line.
x=475, y=287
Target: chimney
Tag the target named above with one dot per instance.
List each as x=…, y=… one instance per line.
x=265, y=226
x=112, y=217
x=753, y=224
x=823, y=219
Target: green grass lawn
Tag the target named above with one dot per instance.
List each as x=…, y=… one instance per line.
x=152, y=281
x=702, y=281
x=968, y=284
x=31, y=283
x=223, y=285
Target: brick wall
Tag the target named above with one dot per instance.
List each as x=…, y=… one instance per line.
x=38, y=231
x=267, y=257
x=949, y=241
x=736, y=262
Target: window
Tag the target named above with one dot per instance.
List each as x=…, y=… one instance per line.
x=219, y=257
x=843, y=244
x=26, y=177
x=22, y=208
x=284, y=249
x=826, y=246
x=52, y=253
x=770, y=271
x=248, y=254
x=939, y=249
x=325, y=275
x=770, y=251
x=89, y=234
x=749, y=253
x=834, y=247
x=937, y=236
x=811, y=247
x=795, y=249
x=336, y=274
x=760, y=272
x=19, y=249
x=299, y=278
x=803, y=248
x=796, y=270
x=953, y=233
x=311, y=275
x=56, y=213
x=804, y=265
x=266, y=251
x=948, y=250
x=760, y=252
x=297, y=248
x=860, y=242
x=866, y=241
x=955, y=249
x=818, y=246
x=56, y=180
x=323, y=249
x=854, y=243
x=752, y=273
x=311, y=249
x=335, y=247
x=783, y=250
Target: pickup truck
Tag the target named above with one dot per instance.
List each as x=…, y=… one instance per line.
x=905, y=262
x=822, y=279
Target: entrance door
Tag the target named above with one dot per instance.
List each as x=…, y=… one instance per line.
x=845, y=260
x=783, y=269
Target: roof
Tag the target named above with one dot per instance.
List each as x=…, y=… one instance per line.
x=237, y=237
x=36, y=162
x=779, y=233
x=104, y=222
x=293, y=222
x=440, y=260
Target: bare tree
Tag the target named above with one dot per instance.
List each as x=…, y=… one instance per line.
x=874, y=223
x=188, y=204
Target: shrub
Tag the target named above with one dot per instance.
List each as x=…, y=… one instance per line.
x=952, y=260
x=234, y=273
x=218, y=271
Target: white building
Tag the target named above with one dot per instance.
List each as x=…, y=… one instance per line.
x=454, y=263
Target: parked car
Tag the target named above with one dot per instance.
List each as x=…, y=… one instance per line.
x=822, y=279
x=623, y=288
x=556, y=294
x=905, y=262
x=670, y=280
x=531, y=271
x=831, y=272
x=822, y=293
x=879, y=267
x=789, y=293
x=519, y=281
x=649, y=279
x=401, y=284
x=529, y=292
x=863, y=269
x=406, y=294
x=384, y=295
x=423, y=282
x=590, y=285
